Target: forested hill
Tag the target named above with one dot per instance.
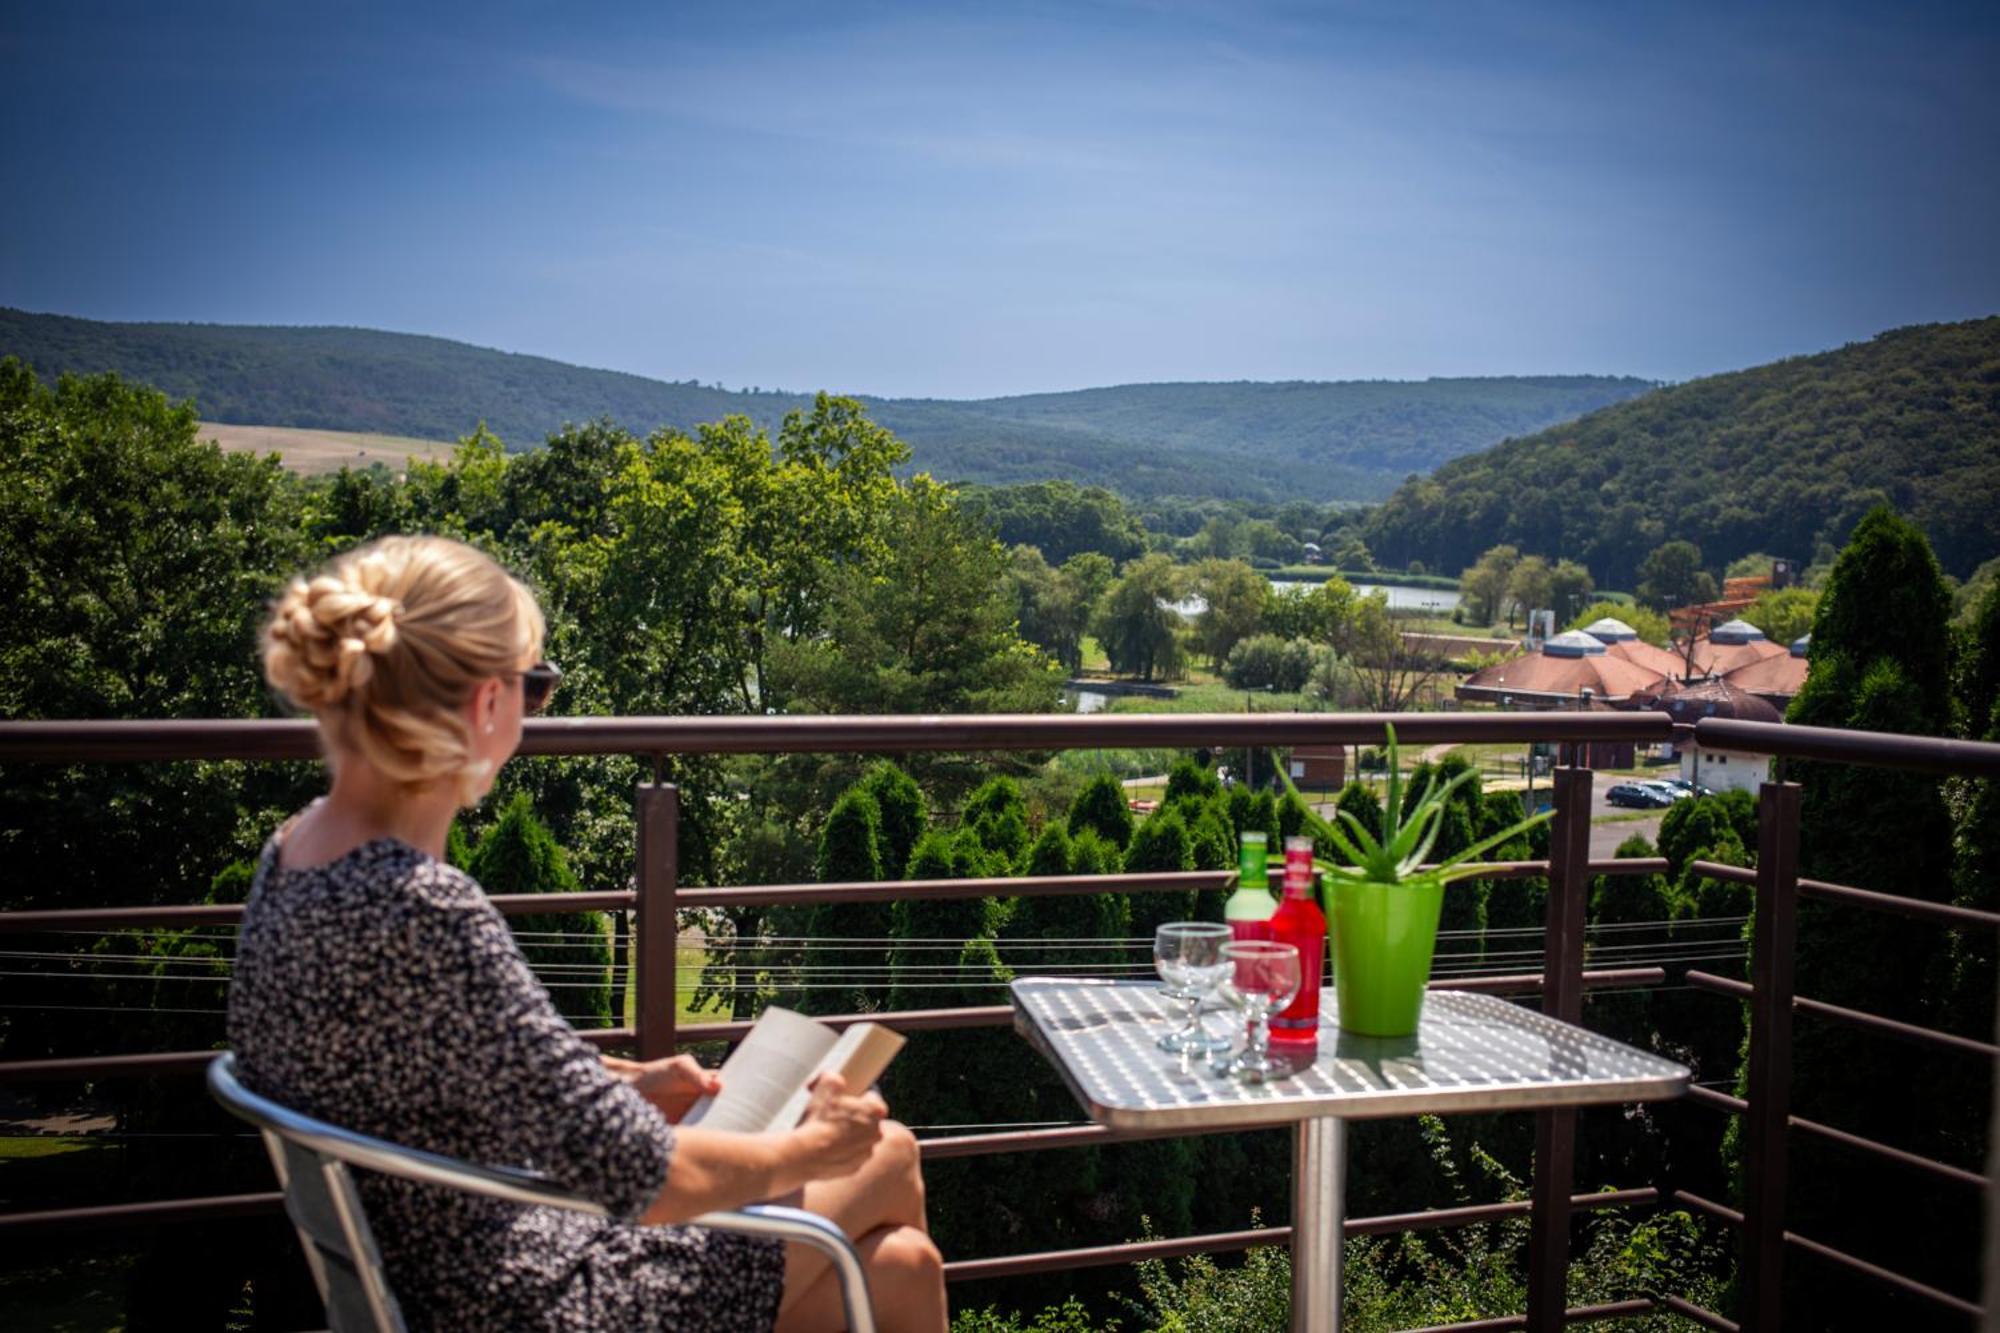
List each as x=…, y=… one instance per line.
x=1781, y=458
x=1347, y=440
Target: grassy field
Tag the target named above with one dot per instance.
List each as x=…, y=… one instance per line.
x=313, y=452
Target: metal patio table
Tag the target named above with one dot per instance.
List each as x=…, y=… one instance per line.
x=1472, y=1052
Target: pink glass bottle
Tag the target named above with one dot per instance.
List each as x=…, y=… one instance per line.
x=1299, y=922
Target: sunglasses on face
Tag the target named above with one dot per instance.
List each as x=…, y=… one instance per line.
x=538, y=682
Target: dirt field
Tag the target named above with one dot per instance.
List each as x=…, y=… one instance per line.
x=311, y=452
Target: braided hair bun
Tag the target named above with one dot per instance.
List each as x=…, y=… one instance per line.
x=386, y=644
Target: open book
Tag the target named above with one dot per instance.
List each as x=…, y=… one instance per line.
x=766, y=1083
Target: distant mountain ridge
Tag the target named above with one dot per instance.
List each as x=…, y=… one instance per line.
x=1782, y=458
x=1317, y=440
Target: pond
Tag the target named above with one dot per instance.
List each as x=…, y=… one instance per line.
x=1435, y=601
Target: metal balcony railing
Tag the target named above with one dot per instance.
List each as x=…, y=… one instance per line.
x=657, y=897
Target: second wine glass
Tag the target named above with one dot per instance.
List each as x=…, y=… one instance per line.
x=1188, y=957
x=1259, y=977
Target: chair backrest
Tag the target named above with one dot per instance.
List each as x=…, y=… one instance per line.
x=312, y=1159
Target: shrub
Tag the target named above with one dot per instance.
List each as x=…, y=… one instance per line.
x=1101, y=808
x=1265, y=661
x=1187, y=778
x=519, y=855
x=1161, y=843
x=900, y=808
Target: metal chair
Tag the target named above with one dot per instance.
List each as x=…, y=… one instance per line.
x=312, y=1160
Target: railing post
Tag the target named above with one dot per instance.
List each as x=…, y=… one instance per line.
x=658, y=816
x=1562, y=998
x=1770, y=1085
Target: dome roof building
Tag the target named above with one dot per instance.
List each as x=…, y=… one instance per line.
x=1731, y=645
x=1691, y=701
x=1572, y=670
x=1610, y=630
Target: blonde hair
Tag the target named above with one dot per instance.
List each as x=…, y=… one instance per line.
x=387, y=642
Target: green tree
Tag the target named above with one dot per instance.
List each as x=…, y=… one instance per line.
x=1672, y=576
x=1237, y=596
x=1483, y=587
x=1783, y=615
x=1160, y=843
x=1691, y=827
x=1189, y=779
x=1135, y=620
x=570, y=951
x=1754, y=565
x=1319, y=612
x=1060, y=519
x=1881, y=662
x=1062, y=930
x=1102, y=808
x=1530, y=586
x=928, y=629
x=902, y=817
x=850, y=851
x=1570, y=587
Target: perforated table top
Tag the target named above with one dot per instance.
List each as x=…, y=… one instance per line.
x=1472, y=1052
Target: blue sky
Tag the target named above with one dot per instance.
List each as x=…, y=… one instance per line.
x=967, y=200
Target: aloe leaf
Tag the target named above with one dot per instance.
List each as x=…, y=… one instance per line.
x=1392, y=808
x=1412, y=832
x=1362, y=838
x=1346, y=848
x=1416, y=857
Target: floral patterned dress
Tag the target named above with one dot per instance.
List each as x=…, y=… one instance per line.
x=382, y=992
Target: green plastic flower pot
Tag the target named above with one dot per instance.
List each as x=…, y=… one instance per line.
x=1383, y=937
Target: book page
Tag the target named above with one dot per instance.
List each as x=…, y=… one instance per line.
x=777, y=1059
x=859, y=1057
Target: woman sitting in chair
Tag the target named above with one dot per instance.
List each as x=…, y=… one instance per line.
x=376, y=988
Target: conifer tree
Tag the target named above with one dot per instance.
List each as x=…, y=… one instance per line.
x=849, y=852
x=570, y=951
x=1069, y=931
x=1090, y=854
x=1880, y=661
x=1187, y=778
x=1292, y=813
x=1101, y=807
x=902, y=816
x=1161, y=843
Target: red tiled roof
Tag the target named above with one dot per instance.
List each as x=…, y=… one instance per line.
x=1719, y=659
x=1605, y=676
x=1653, y=658
x=1771, y=677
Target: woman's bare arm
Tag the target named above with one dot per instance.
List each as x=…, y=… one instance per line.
x=715, y=1169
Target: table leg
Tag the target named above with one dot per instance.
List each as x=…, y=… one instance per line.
x=1319, y=1214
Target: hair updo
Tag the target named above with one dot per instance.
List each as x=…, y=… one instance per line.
x=387, y=642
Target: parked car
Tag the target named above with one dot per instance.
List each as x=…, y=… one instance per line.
x=1667, y=787
x=1638, y=795
x=1686, y=787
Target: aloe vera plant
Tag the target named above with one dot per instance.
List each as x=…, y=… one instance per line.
x=1396, y=853
x=1382, y=910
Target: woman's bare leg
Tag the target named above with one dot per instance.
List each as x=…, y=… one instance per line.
x=887, y=1193
x=905, y=1286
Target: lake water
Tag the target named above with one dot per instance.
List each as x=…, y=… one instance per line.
x=1438, y=601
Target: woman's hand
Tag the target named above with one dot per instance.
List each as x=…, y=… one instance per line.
x=838, y=1131
x=673, y=1084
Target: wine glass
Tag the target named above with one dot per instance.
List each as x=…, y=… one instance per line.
x=1188, y=957
x=1260, y=977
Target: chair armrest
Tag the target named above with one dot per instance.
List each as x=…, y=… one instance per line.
x=776, y=1222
